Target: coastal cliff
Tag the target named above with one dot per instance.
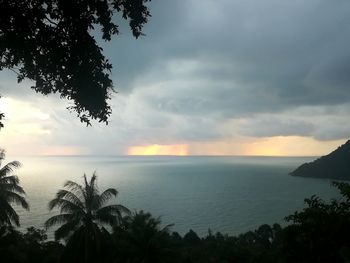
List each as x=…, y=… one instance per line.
x=335, y=165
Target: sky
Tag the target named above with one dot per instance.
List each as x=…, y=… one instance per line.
x=211, y=77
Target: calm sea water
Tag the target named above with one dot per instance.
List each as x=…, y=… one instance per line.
x=227, y=194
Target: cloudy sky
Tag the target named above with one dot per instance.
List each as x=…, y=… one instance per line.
x=215, y=77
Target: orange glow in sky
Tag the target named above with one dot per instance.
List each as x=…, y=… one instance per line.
x=156, y=149
x=270, y=146
x=291, y=146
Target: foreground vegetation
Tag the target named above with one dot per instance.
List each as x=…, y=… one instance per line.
x=318, y=233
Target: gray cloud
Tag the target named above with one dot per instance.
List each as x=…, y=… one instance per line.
x=280, y=66
x=275, y=127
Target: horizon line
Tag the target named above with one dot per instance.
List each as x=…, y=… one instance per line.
x=161, y=155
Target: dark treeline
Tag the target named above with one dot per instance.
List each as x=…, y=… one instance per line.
x=318, y=233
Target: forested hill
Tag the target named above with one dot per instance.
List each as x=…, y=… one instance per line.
x=335, y=165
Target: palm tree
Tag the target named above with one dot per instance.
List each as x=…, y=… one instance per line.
x=140, y=238
x=82, y=217
x=10, y=193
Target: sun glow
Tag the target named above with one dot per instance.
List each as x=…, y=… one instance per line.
x=156, y=149
x=290, y=146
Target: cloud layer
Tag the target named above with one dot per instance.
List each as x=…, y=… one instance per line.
x=210, y=71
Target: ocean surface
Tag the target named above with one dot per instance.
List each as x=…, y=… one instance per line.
x=227, y=194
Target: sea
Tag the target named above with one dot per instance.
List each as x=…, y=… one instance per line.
x=231, y=195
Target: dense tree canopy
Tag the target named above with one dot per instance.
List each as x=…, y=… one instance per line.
x=51, y=43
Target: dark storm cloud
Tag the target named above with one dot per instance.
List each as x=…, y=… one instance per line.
x=276, y=127
x=234, y=59
x=204, y=65
x=295, y=52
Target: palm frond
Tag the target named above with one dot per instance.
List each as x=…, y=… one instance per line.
x=2, y=154
x=85, y=181
x=12, y=179
x=114, y=209
x=111, y=214
x=65, y=206
x=10, y=192
x=166, y=229
x=8, y=214
x=70, y=196
x=12, y=197
x=109, y=219
x=93, y=181
x=91, y=187
x=9, y=186
x=59, y=219
x=106, y=195
x=66, y=229
x=75, y=188
x=8, y=168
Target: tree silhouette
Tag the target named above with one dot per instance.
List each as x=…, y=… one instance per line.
x=51, y=43
x=27, y=247
x=82, y=217
x=321, y=231
x=140, y=238
x=10, y=193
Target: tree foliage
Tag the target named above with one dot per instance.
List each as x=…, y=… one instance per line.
x=83, y=206
x=10, y=193
x=83, y=213
x=51, y=42
x=141, y=238
x=321, y=231
x=28, y=247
